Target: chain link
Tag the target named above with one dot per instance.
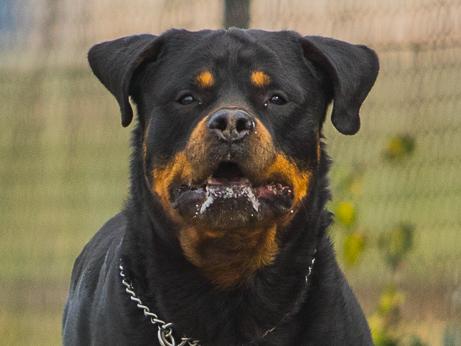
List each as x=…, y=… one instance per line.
x=165, y=329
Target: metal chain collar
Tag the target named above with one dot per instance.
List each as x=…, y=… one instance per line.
x=165, y=329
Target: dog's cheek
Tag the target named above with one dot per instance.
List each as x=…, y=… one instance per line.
x=282, y=167
x=272, y=164
x=187, y=167
x=275, y=165
x=176, y=169
x=261, y=150
x=198, y=150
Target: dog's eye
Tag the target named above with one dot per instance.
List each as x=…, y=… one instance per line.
x=187, y=99
x=277, y=100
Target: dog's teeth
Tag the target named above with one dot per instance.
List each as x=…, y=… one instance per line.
x=210, y=195
x=252, y=198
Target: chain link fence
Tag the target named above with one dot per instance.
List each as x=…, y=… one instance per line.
x=64, y=158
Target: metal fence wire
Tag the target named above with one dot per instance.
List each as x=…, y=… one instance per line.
x=64, y=158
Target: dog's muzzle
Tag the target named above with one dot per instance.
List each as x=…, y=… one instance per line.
x=231, y=125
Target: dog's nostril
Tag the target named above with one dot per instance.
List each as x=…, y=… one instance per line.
x=244, y=123
x=231, y=125
x=218, y=123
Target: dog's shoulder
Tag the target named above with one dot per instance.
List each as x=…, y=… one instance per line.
x=331, y=313
x=90, y=272
x=99, y=250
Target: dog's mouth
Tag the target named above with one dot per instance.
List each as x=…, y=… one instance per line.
x=228, y=199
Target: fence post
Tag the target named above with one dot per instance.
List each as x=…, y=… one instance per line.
x=236, y=13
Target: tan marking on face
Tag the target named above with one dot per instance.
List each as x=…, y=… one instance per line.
x=205, y=79
x=197, y=147
x=261, y=152
x=289, y=172
x=179, y=168
x=262, y=135
x=259, y=79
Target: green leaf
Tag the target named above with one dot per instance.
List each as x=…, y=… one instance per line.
x=399, y=147
x=385, y=340
x=353, y=247
x=389, y=302
x=396, y=243
x=346, y=213
x=380, y=334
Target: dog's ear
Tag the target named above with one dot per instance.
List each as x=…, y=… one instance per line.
x=115, y=62
x=352, y=70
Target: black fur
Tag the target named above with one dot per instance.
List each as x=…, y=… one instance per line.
x=313, y=71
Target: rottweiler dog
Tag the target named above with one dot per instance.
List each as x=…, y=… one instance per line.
x=223, y=239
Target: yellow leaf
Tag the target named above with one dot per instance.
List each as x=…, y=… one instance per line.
x=346, y=213
x=390, y=300
x=354, y=244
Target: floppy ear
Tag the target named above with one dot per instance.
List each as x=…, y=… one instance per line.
x=352, y=70
x=115, y=62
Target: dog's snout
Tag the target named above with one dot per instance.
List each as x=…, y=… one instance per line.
x=231, y=125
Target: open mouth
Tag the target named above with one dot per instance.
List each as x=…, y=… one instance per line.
x=229, y=198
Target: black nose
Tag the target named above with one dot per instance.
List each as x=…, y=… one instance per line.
x=231, y=125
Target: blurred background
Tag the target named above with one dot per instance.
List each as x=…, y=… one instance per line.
x=396, y=184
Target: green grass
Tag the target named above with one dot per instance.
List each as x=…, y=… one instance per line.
x=64, y=172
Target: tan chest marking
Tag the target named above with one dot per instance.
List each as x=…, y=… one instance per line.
x=228, y=258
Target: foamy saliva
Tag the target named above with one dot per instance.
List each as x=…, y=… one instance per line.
x=215, y=192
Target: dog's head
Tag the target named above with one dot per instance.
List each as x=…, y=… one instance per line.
x=231, y=123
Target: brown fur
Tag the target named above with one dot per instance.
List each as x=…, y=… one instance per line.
x=228, y=258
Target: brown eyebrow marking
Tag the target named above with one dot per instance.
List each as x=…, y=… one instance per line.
x=205, y=79
x=259, y=78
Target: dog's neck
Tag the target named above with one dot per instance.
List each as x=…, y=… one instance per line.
x=228, y=259
x=157, y=265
